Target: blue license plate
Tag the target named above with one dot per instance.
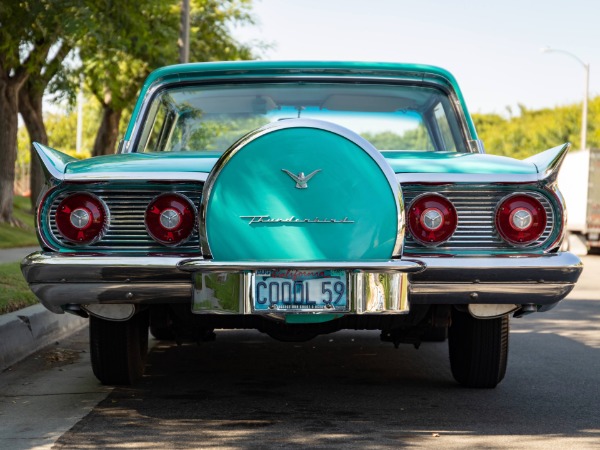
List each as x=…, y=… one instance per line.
x=300, y=290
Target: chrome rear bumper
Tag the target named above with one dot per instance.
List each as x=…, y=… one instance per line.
x=60, y=278
x=541, y=280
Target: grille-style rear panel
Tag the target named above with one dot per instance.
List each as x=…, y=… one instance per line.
x=476, y=209
x=126, y=229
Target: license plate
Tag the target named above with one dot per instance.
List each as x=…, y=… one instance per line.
x=300, y=290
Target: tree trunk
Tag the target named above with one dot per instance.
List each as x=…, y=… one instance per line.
x=9, y=113
x=30, y=107
x=106, y=138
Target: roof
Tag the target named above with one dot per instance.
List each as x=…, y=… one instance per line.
x=253, y=69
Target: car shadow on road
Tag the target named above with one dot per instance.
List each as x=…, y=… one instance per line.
x=349, y=389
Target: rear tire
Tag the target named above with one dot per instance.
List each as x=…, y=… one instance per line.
x=118, y=349
x=478, y=349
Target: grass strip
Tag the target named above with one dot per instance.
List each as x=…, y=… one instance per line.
x=14, y=292
x=10, y=236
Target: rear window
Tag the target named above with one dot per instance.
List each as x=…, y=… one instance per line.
x=212, y=118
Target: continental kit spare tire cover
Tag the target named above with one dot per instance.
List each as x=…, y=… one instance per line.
x=302, y=190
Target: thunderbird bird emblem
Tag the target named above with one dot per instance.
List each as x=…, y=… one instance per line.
x=301, y=179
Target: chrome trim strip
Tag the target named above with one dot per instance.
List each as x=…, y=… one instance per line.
x=145, y=176
x=476, y=146
x=303, y=123
x=465, y=178
x=141, y=115
x=396, y=265
x=488, y=293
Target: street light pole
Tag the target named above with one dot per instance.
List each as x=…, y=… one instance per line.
x=584, y=118
x=586, y=67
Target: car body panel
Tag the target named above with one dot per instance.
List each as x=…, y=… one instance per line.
x=203, y=162
x=130, y=163
x=492, y=270
x=250, y=195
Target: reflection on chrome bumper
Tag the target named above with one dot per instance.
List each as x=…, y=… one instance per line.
x=367, y=293
x=58, y=279
x=541, y=280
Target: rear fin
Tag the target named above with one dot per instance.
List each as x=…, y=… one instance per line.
x=53, y=162
x=548, y=162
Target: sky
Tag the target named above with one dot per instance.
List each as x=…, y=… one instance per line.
x=491, y=47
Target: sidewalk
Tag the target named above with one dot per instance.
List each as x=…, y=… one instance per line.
x=28, y=330
x=9, y=255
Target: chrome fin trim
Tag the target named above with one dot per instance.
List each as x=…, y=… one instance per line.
x=207, y=265
x=54, y=163
x=548, y=163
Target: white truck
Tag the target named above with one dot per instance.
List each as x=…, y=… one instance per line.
x=579, y=182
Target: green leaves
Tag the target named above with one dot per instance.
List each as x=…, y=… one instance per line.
x=532, y=131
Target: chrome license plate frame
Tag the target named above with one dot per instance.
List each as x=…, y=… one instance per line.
x=314, y=291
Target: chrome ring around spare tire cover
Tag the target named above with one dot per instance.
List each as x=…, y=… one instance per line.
x=350, y=135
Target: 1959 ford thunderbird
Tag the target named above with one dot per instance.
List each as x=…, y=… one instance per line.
x=301, y=198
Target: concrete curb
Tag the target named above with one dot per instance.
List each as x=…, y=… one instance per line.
x=30, y=329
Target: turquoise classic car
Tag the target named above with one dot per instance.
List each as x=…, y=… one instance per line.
x=301, y=198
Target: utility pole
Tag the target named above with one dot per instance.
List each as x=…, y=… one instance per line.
x=80, y=101
x=184, y=32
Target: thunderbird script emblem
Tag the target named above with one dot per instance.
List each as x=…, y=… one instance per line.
x=301, y=179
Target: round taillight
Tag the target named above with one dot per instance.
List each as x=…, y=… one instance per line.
x=81, y=218
x=432, y=219
x=520, y=219
x=170, y=219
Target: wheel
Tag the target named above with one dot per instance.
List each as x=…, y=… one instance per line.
x=478, y=349
x=118, y=349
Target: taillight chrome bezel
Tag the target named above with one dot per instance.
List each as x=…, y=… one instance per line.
x=91, y=232
x=505, y=213
x=431, y=236
x=185, y=212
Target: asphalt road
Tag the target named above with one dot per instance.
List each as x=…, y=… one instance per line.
x=345, y=390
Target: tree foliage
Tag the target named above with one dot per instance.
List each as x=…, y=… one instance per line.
x=33, y=34
x=532, y=131
x=142, y=36
x=414, y=139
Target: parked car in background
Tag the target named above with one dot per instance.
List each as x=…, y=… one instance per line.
x=301, y=198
